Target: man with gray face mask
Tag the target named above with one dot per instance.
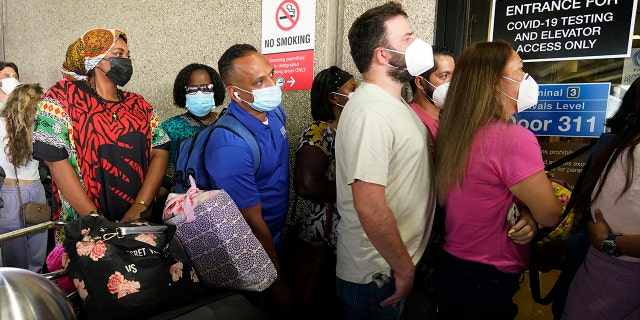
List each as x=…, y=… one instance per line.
x=429, y=91
x=9, y=79
x=384, y=185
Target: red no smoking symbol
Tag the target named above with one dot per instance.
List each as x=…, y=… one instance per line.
x=287, y=15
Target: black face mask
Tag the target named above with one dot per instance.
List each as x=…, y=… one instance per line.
x=121, y=71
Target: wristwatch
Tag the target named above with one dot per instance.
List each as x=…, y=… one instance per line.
x=609, y=245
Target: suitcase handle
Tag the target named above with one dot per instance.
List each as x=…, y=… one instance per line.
x=32, y=229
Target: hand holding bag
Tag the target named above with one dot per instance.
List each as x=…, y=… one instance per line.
x=33, y=213
x=224, y=250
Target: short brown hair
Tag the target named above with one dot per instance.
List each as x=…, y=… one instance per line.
x=369, y=31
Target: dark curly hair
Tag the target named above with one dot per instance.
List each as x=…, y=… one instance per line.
x=4, y=64
x=182, y=80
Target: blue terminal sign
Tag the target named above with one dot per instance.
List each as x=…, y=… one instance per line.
x=567, y=110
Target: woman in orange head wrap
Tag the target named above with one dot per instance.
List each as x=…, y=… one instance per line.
x=103, y=145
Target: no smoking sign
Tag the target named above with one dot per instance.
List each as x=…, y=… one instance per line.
x=288, y=39
x=287, y=15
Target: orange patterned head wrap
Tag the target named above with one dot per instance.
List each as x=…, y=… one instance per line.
x=85, y=53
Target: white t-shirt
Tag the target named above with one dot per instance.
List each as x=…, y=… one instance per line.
x=382, y=141
x=622, y=215
x=28, y=172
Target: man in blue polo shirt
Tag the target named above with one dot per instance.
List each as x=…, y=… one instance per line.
x=262, y=196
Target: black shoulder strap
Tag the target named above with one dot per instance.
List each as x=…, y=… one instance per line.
x=196, y=119
x=570, y=156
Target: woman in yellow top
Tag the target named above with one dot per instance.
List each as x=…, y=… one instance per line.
x=314, y=172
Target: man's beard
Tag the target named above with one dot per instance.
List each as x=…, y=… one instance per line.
x=400, y=74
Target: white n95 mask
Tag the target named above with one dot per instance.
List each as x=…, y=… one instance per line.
x=439, y=93
x=418, y=56
x=8, y=84
x=527, y=92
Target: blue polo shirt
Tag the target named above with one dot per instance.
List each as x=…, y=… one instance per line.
x=229, y=162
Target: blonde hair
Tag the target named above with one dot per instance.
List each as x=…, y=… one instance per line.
x=19, y=112
x=473, y=101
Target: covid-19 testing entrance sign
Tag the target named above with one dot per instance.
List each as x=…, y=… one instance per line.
x=565, y=29
x=288, y=38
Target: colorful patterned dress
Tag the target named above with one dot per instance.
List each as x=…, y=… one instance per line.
x=322, y=135
x=107, y=143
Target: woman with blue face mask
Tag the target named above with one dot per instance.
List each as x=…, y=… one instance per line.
x=198, y=89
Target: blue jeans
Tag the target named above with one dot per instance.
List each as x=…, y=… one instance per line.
x=362, y=301
x=474, y=291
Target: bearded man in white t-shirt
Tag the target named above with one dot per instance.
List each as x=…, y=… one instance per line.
x=384, y=170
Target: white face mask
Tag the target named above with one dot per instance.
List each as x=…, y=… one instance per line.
x=418, y=57
x=527, y=93
x=344, y=95
x=439, y=93
x=8, y=84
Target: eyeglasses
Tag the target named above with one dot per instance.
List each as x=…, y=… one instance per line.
x=205, y=88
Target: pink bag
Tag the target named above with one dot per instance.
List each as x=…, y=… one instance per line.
x=183, y=203
x=217, y=239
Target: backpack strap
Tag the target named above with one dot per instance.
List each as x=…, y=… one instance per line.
x=230, y=123
x=280, y=115
x=569, y=157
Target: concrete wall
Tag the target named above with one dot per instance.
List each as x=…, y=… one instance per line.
x=165, y=36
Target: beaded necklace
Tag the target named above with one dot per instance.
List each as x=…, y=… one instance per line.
x=103, y=102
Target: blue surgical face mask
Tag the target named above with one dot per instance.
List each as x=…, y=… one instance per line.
x=200, y=103
x=265, y=99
